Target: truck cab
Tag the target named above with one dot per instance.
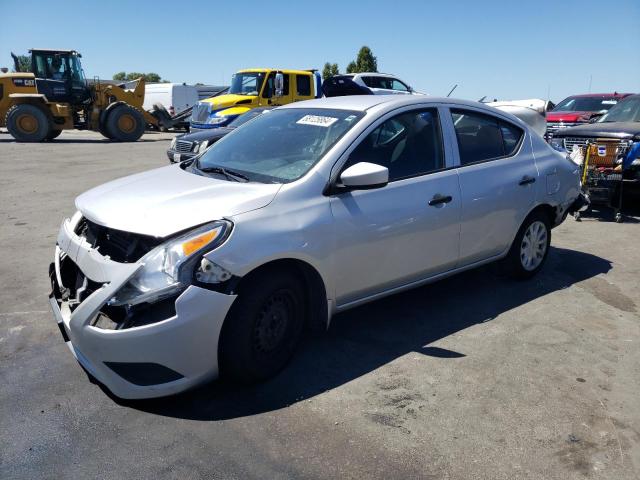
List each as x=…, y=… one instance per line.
x=256, y=87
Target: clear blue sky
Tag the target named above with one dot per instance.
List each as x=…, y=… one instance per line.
x=504, y=49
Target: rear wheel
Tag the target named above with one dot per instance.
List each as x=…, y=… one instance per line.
x=263, y=327
x=124, y=124
x=27, y=123
x=530, y=247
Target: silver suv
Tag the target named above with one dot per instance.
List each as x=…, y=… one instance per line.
x=165, y=279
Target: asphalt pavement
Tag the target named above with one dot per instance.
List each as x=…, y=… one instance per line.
x=474, y=377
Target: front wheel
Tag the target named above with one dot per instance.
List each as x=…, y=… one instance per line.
x=263, y=328
x=530, y=247
x=27, y=123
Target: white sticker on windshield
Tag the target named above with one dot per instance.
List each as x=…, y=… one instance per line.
x=317, y=120
x=609, y=102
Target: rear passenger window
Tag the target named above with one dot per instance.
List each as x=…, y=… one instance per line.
x=408, y=144
x=484, y=137
x=511, y=136
x=303, y=85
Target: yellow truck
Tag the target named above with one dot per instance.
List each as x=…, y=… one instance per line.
x=256, y=87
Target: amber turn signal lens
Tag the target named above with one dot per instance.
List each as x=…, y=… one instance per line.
x=196, y=243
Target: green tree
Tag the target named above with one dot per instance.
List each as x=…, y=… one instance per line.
x=329, y=70
x=24, y=63
x=365, y=61
x=133, y=75
x=150, y=77
x=352, y=68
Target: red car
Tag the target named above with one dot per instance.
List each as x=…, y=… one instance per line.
x=579, y=109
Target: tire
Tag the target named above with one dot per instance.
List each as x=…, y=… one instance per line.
x=102, y=128
x=124, y=124
x=53, y=133
x=530, y=248
x=263, y=328
x=27, y=123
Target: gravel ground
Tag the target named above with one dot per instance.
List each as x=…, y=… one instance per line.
x=475, y=377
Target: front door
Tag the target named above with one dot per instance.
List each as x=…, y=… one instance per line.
x=407, y=230
x=268, y=97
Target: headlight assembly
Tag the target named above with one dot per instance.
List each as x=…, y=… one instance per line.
x=169, y=267
x=203, y=146
x=215, y=120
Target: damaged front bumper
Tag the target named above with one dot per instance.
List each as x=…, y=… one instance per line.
x=175, y=346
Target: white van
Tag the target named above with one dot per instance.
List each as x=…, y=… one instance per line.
x=175, y=97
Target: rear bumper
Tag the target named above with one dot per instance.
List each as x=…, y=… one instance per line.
x=580, y=204
x=161, y=358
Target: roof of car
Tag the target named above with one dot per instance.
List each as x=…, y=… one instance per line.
x=612, y=94
x=49, y=50
x=283, y=70
x=365, y=102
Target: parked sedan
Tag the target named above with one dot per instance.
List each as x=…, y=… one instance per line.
x=167, y=279
x=187, y=146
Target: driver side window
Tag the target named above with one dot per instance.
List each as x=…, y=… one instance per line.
x=409, y=144
x=270, y=82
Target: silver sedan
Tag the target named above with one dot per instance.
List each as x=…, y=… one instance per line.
x=168, y=278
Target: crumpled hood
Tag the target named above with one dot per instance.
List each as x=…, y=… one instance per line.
x=168, y=200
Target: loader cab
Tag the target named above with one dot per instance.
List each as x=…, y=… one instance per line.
x=59, y=76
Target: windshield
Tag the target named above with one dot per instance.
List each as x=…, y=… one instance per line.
x=585, y=104
x=279, y=146
x=626, y=111
x=246, y=83
x=245, y=117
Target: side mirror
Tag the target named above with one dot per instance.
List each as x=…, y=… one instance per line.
x=364, y=176
x=279, y=85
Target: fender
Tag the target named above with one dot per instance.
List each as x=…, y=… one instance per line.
x=28, y=98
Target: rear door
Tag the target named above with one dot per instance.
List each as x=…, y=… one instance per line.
x=407, y=230
x=497, y=174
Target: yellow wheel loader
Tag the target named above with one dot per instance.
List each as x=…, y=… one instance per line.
x=55, y=96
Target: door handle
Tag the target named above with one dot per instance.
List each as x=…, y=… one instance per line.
x=526, y=180
x=439, y=199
